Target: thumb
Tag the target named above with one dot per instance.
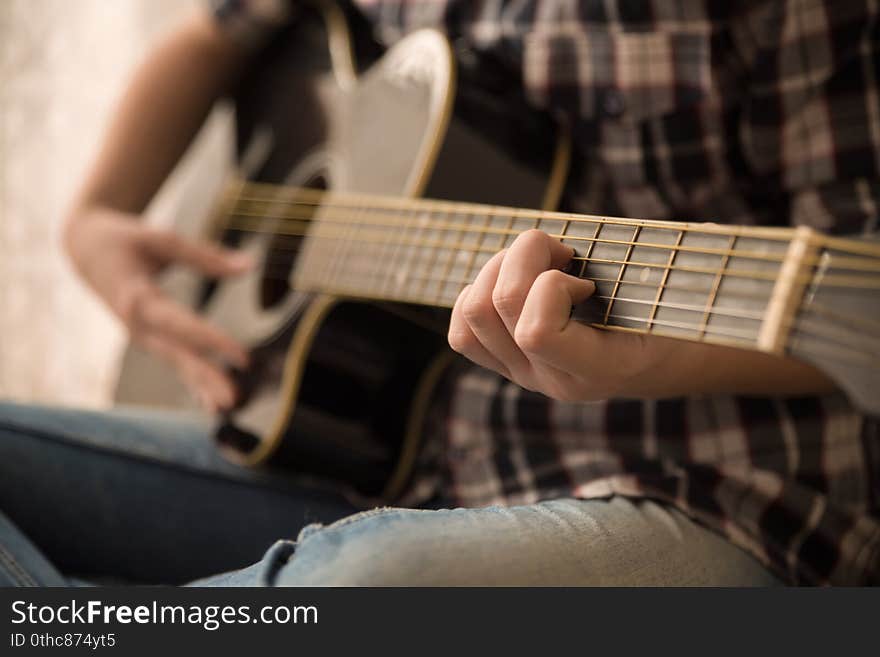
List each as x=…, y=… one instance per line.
x=210, y=259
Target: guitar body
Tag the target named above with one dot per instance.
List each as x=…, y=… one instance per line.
x=338, y=388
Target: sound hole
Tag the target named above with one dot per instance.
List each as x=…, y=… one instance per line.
x=283, y=249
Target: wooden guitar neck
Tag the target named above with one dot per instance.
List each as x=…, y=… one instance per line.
x=766, y=288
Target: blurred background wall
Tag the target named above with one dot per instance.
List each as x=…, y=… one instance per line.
x=62, y=65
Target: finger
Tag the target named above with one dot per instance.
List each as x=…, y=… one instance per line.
x=479, y=313
x=208, y=258
x=463, y=340
x=212, y=385
x=545, y=330
x=531, y=253
x=161, y=315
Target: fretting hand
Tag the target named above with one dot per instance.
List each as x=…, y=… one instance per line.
x=515, y=319
x=119, y=257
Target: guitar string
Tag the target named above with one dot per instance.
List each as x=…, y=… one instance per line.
x=713, y=331
x=319, y=232
x=490, y=230
x=461, y=228
x=868, y=264
x=831, y=280
x=392, y=202
x=284, y=262
x=395, y=203
x=713, y=334
x=859, y=263
x=740, y=313
x=728, y=331
x=852, y=263
x=714, y=310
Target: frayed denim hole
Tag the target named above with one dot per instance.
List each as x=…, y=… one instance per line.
x=275, y=559
x=308, y=530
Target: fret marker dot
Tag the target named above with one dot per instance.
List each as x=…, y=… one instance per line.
x=645, y=275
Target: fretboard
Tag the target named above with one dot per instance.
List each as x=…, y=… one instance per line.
x=779, y=290
x=704, y=282
x=700, y=282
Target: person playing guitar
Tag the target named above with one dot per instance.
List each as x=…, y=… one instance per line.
x=560, y=454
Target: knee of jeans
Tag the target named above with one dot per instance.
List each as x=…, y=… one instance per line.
x=382, y=547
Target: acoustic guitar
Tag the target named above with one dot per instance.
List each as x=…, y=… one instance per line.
x=346, y=316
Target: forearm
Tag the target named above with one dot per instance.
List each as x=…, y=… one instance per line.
x=166, y=102
x=687, y=368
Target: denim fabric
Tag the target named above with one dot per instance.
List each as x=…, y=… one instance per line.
x=21, y=563
x=567, y=542
x=136, y=496
x=142, y=498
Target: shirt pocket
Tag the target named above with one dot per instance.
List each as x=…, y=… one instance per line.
x=596, y=74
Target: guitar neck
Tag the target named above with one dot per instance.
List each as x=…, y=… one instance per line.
x=730, y=285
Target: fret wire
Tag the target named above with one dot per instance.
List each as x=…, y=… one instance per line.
x=432, y=257
x=473, y=254
x=417, y=231
x=664, y=278
x=391, y=267
x=509, y=227
x=384, y=257
x=589, y=251
x=453, y=254
x=320, y=264
x=391, y=262
x=344, y=247
x=752, y=255
x=740, y=273
x=563, y=234
x=412, y=253
x=716, y=284
x=620, y=274
x=331, y=258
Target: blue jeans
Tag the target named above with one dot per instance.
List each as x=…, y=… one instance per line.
x=137, y=497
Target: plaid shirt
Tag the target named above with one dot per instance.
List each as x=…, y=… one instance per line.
x=762, y=112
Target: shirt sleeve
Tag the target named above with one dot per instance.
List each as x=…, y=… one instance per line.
x=251, y=22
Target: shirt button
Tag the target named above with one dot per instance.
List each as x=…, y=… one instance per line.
x=613, y=103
